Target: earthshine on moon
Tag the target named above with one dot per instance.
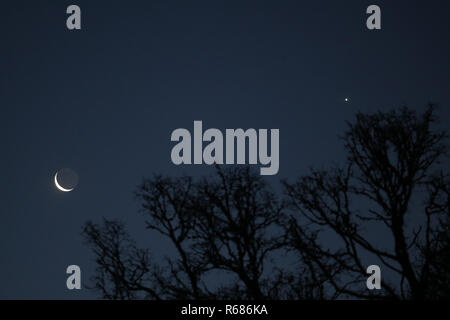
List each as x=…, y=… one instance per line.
x=58, y=186
x=66, y=180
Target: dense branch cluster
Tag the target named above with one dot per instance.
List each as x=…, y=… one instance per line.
x=234, y=238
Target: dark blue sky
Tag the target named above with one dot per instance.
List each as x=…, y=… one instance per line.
x=104, y=101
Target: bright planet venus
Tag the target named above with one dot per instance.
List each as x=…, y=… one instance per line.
x=66, y=180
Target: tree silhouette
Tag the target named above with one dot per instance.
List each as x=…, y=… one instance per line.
x=234, y=238
x=390, y=181
x=230, y=224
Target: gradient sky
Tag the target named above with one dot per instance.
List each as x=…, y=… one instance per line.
x=104, y=101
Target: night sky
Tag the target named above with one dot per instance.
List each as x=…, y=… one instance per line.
x=104, y=100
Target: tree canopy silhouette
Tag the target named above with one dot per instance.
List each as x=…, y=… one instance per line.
x=389, y=205
x=392, y=181
x=230, y=224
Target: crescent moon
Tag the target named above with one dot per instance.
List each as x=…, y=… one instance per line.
x=58, y=186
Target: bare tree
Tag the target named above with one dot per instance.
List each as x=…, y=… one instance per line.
x=229, y=223
x=237, y=227
x=234, y=238
x=391, y=181
x=437, y=246
x=122, y=268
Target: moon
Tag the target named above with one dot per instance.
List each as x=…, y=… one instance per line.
x=65, y=180
x=59, y=186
